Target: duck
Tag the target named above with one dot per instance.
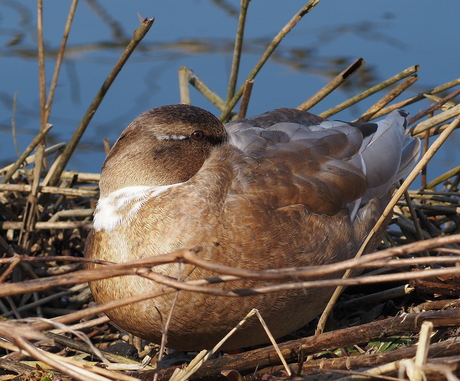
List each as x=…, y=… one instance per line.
x=282, y=189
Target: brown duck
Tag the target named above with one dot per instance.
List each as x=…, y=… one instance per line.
x=282, y=189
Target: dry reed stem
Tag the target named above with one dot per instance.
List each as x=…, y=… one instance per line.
x=93, y=310
x=88, y=348
x=414, y=218
x=13, y=124
x=51, y=190
x=445, y=86
x=82, y=176
x=196, y=82
x=21, y=334
x=26, y=259
x=422, y=350
x=203, y=356
x=388, y=98
x=270, y=49
x=83, y=325
x=416, y=98
x=59, y=225
x=12, y=265
x=139, y=34
x=12, y=169
x=434, y=107
x=31, y=159
x=432, y=131
x=426, y=145
x=41, y=64
x=237, y=50
x=436, y=98
x=164, y=333
x=60, y=57
x=184, y=90
x=188, y=286
x=274, y=344
x=444, y=177
x=332, y=85
x=357, y=98
x=245, y=99
x=37, y=303
x=440, y=118
x=31, y=211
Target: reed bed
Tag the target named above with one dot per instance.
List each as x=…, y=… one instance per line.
x=397, y=320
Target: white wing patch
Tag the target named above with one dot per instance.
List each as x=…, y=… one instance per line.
x=119, y=207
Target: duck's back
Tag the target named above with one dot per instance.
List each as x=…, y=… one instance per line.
x=330, y=162
x=288, y=189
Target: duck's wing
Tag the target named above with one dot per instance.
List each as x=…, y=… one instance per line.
x=294, y=157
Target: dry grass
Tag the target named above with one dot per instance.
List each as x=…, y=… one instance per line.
x=376, y=323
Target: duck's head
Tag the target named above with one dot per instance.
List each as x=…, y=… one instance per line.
x=162, y=146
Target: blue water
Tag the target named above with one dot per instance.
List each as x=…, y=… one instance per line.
x=390, y=35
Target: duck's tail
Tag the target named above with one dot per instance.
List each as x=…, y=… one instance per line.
x=387, y=154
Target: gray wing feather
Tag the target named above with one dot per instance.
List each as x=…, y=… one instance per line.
x=381, y=151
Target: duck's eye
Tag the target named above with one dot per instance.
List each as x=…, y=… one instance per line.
x=197, y=135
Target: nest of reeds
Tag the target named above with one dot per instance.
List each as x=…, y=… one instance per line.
x=398, y=320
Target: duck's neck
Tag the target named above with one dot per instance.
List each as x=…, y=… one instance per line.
x=144, y=169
